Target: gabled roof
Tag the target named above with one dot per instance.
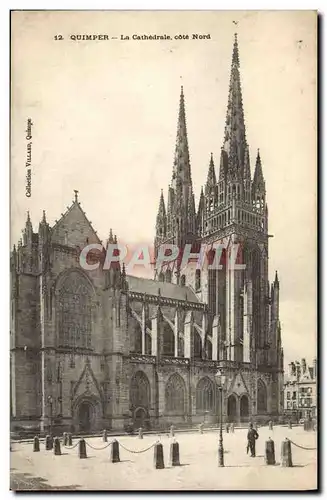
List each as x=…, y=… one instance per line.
x=74, y=220
x=152, y=287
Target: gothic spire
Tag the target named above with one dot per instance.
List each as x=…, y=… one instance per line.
x=276, y=282
x=191, y=215
x=162, y=208
x=200, y=211
x=124, y=284
x=111, y=238
x=258, y=179
x=161, y=223
x=235, y=138
x=201, y=201
x=211, y=179
x=181, y=170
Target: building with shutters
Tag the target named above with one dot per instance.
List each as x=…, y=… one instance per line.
x=300, y=390
x=94, y=349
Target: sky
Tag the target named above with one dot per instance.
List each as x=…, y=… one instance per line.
x=104, y=116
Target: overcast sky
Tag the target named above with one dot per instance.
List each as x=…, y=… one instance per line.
x=105, y=116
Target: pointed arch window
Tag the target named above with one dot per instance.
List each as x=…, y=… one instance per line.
x=197, y=345
x=168, y=276
x=175, y=394
x=137, y=338
x=168, y=341
x=148, y=342
x=261, y=397
x=205, y=396
x=140, y=391
x=198, y=280
x=74, y=307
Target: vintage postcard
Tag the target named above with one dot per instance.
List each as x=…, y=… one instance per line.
x=163, y=208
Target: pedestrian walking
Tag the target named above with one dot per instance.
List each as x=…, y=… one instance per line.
x=252, y=437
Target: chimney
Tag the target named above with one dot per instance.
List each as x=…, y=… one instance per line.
x=303, y=366
x=315, y=368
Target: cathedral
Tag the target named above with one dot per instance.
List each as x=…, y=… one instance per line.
x=100, y=349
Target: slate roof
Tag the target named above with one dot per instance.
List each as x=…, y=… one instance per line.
x=169, y=290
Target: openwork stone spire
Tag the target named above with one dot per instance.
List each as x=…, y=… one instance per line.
x=235, y=138
x=181, y=179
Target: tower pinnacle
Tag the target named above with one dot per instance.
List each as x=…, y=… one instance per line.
x=258, y=179
x=211, y=179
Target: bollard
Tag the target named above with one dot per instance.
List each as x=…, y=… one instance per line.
x=114, y=456
x=227, y=428
x=36, y=444
x=172, y=431
x=290, y=424
x=82, y=449
x=48, y=442
x=65, y=439
x=158, y=456
x=56, y=446
x=174, y=454
x=201, y=426
x=286, y=454
x=105, y=436
x=69, y=439
x=270, y=452
x=270, y=425
x=140, y=433
x=232, y=428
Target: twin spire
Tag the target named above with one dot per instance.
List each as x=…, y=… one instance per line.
x=234, y=161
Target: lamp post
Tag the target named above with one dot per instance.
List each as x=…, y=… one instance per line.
x=220, y=379
x=50, y=401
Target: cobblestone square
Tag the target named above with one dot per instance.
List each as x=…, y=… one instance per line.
x=198, y=471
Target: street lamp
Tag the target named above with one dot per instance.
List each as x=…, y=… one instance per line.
x=220, y=379
x=50, y=402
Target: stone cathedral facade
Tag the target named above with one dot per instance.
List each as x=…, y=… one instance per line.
x=99, y=349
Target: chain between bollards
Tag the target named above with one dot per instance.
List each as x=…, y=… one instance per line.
x=99, y=449
x=302, y=447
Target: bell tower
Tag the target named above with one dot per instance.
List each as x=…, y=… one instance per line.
x=177, y=225
x=234, y=214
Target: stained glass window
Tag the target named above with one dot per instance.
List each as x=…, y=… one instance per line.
x=75, y=312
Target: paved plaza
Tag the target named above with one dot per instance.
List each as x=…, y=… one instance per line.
x=198, y=471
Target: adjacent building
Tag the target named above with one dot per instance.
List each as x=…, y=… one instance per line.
x=300, y=390
x=94, y=349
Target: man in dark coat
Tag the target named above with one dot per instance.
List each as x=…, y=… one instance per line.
x=252, y=437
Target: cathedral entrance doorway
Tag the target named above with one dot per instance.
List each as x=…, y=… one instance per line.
x=85, y=412
x=140, y=418
x=231, y=408
x=244, y=408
